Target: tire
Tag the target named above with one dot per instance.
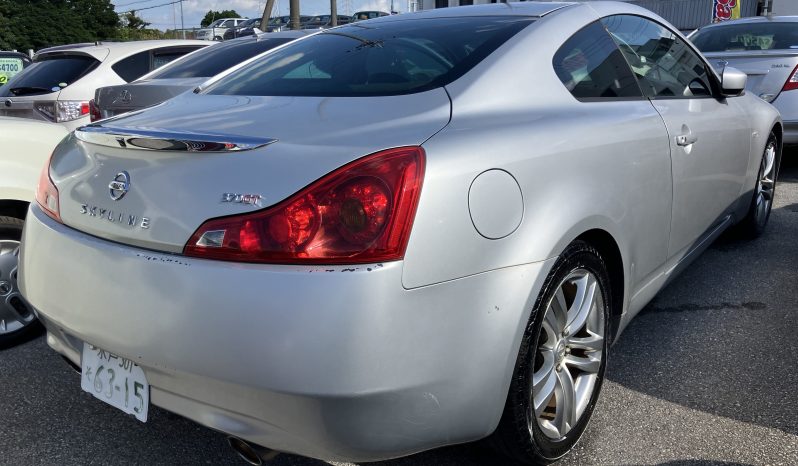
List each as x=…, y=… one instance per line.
x=17, y=322
x=753, y=224
x=543, y=436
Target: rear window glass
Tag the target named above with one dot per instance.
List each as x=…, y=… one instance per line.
x=384, y=58
x=213, y=60
x=747, y=36
x=48, y=74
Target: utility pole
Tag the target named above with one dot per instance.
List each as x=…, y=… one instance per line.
x=333, y=13
x=182, y=24
x=293, y=5
x=267, y=14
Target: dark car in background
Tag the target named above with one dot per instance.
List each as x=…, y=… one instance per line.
x=247, y=28
x=361, y=15
x=325, y=21
x=12, y=63
x=184, y=74
x=282, y=23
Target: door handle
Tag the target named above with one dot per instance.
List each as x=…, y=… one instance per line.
x=686, y=139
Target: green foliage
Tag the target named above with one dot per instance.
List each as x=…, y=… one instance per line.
x=33, y=24
x=212, y=16
x=131, y=21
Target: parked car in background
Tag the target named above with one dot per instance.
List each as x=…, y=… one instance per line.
x=325, y=21
x=282, y=23
x=184, y=74
x=766, y=49
x=58, y=86
x=27, y=144
x=384, y=239
x=362, y=15
x=247, y=28
x=11, y=63
x=216, y=30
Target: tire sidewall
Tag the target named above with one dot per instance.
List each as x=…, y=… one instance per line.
x=577, y=256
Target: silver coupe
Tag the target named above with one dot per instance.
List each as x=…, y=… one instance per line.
x=398, y=234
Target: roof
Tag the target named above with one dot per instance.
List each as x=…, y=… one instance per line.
x=118, y=49
x=755, y=19
x=536, y=9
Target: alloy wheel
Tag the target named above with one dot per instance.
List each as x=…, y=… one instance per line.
x=15, y=314
x=569, y=355
x=766, y=183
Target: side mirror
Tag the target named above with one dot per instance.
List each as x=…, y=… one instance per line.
x=732, y=81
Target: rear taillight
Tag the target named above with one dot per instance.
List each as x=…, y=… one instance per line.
x=360, y=213
x=792, y=82
x=47, y=193
x=63, y=110
x=94, y=111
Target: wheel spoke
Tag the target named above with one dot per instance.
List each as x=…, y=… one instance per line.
x=583, y=303
x=566, y=402
x=543, y=383
x=591, y=343
x=589, y=363
x=558, y=310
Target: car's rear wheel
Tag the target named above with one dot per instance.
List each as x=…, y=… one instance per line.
x=561, y=363
x=17, y=321
x=754, y=223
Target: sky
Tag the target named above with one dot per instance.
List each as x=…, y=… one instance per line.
x=167, y=16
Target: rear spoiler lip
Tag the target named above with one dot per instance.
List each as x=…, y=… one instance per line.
x=167, y=140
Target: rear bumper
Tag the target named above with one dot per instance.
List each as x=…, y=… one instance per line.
x=328, y=362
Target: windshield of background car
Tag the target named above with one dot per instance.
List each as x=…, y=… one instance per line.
x=216, y=23
x=49, y=74
x=384, y=58
x=213, y=60
x=747, y=36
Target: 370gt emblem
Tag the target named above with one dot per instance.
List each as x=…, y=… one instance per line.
x=119, y=186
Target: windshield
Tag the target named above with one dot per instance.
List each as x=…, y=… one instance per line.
x=747, y=36
x=216, y=23
x=388, y=58
x=211, y=61
x=49, y=73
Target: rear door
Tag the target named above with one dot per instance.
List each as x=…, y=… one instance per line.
x=710, y=138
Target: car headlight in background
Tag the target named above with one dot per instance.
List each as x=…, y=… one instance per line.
x=63, y=110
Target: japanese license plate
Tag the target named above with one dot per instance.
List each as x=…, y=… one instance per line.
x=115, y=380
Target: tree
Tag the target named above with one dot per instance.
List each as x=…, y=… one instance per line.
x=33, y=24
x=131, y=21
x=212, y=16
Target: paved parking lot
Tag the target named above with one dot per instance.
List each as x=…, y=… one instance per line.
x=707, y=374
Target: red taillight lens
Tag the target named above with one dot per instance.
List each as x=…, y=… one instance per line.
x=792, y=82
x=94, y=111
x=47, y=194
x=360, y=213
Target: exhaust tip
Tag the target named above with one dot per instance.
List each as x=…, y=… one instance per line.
x=246, y=451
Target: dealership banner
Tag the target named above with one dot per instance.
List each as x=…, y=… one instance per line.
x=723, y=10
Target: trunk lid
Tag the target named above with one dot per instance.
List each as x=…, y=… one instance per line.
x=116, y=100
x=171, y=193
x=767, y=70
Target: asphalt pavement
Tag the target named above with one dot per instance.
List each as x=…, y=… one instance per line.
x=706, y=374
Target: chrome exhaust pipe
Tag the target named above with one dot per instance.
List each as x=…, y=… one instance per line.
x=251, y=453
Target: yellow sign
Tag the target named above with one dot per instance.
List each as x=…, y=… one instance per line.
x=724, y=10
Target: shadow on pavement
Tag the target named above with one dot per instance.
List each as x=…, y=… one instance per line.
x=714, y=340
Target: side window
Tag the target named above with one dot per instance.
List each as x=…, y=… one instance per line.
x=663, y=63
x=133, y=67
x=162, y=56
x=590, y=65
